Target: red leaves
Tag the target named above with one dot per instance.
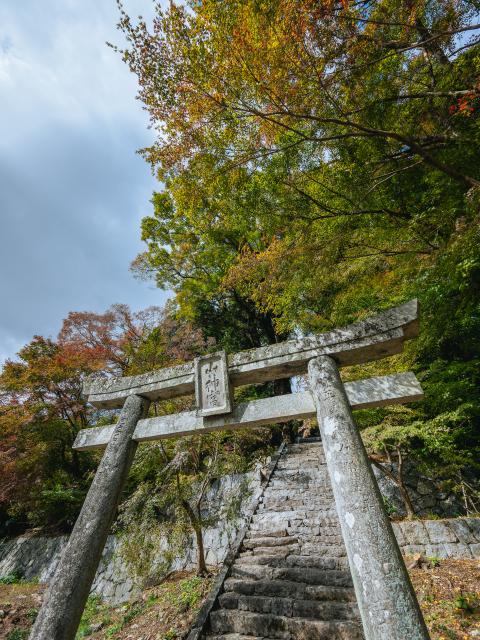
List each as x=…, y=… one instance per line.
x=466, y=105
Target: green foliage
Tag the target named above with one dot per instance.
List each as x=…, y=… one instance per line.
x=11, y=578
x=93, y=610
x=389, y=506
x=44, y=480
x=466, y=602
x=320, y=163
x=17, y=634
x=169, y=499
x=187, y=594
x=32, y=614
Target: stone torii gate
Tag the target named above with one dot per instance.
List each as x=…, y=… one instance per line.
x=386, y=600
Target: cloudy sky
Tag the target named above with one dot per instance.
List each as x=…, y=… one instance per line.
x=72, y=189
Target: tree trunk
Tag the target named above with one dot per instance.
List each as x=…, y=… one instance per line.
x=398, y=480
x=202, y=567
x=406, y=499
x=197, y=527
x=403, y=489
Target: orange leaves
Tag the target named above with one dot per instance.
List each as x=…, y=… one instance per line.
x=467, y=105
x=256, y=274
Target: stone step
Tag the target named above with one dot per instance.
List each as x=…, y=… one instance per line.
x=310, y=483
x=293, y=561
x=281, y=552
x=324, y=496
x=257, y=624
x=326, y=577
x=265, y=528
x=298, y=500
x=314, y=506
x=306, y=448
x=305, y=534
x=289, y=589
x=301, y=474
x=294, y=462
x=305, y=531
x=327, y=550
x=289, y=607
x=302, y=468
x=275, y=533
x=295, y=493
x=279, y=518
x=319, y=549
x=234, y=636
x=269, y=541
x=291, y=579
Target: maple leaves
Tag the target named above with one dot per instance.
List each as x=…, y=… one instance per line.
x=42, y=407
x=467, y=105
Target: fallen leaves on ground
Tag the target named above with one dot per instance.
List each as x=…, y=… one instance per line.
x=448, y=592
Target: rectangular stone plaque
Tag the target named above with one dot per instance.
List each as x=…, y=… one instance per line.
x=212, y=388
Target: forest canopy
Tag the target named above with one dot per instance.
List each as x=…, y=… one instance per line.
x=317, y=162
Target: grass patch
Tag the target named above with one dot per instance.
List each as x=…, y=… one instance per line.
x=12, y=578
x=93, y=613
x=17, y=634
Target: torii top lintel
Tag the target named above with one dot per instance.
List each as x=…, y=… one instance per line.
x=370, y=339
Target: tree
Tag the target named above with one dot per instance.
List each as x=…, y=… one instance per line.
x=42, y=407
x=352, y=124
x=170, y=498
x=320, y=162
x=242, y=80
x=41, y=411
x=113, y=337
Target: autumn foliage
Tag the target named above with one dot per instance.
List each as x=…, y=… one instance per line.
x=42, y=408
x=317, y=162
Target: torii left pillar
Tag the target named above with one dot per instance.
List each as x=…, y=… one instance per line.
x=67, y=594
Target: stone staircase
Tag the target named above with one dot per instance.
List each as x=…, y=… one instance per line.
x=290, y=580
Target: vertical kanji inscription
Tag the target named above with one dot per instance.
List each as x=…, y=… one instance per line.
x=211, y=384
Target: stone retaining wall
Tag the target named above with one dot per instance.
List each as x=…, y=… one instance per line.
x=427, y=498
x=453, y=538
x=36, y=557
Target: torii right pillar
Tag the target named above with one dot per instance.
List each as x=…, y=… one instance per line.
x=385, y=596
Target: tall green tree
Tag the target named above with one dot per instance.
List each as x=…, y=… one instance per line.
x=320, y=161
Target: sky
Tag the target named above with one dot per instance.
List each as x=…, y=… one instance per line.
x=72, y=188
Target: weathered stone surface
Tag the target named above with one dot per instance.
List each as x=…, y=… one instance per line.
x=264, y=625
x=453, y=549
x=414, y=531
x=385, y=597
x=474, y=525
x=65, y=599
x=298, y=580
x=439, y=531
x=303, y=580
x=368, y=340
x=461, y=530
x=427, y=498
x=395, y=389
x=212, y=388
x=37, y=557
